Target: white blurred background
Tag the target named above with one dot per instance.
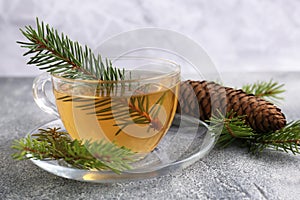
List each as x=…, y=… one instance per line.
x=238, y=35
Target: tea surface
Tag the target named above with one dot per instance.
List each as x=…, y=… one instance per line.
x=137, y=122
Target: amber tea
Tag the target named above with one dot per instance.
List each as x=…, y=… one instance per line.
x=137, y=121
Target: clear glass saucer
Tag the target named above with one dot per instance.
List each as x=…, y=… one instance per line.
x=187, y=141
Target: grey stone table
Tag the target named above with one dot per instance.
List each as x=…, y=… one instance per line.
x=224, y=174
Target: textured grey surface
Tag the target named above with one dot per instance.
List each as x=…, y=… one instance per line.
x=224, y=174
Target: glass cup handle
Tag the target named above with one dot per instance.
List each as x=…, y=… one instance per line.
x=39, y=94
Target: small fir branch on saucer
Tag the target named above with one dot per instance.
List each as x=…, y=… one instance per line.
x=52, y=144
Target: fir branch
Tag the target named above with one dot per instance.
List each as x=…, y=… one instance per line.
x=286, y=139
x=140, y=113
x=126, y=112
x=235, y=129
x=268, y=90
x=57, y=54
x=52, y=144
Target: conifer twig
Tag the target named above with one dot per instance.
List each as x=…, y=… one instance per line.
x=57, y=54
x=52, y=144
x=268, y=90
x=236, y=130
x=286, y=139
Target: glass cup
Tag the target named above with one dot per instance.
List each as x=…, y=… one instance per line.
x=135, y=112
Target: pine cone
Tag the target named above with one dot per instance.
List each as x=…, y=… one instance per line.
x=200, y=98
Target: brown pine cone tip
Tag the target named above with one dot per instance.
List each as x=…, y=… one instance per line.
x=200, y=98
